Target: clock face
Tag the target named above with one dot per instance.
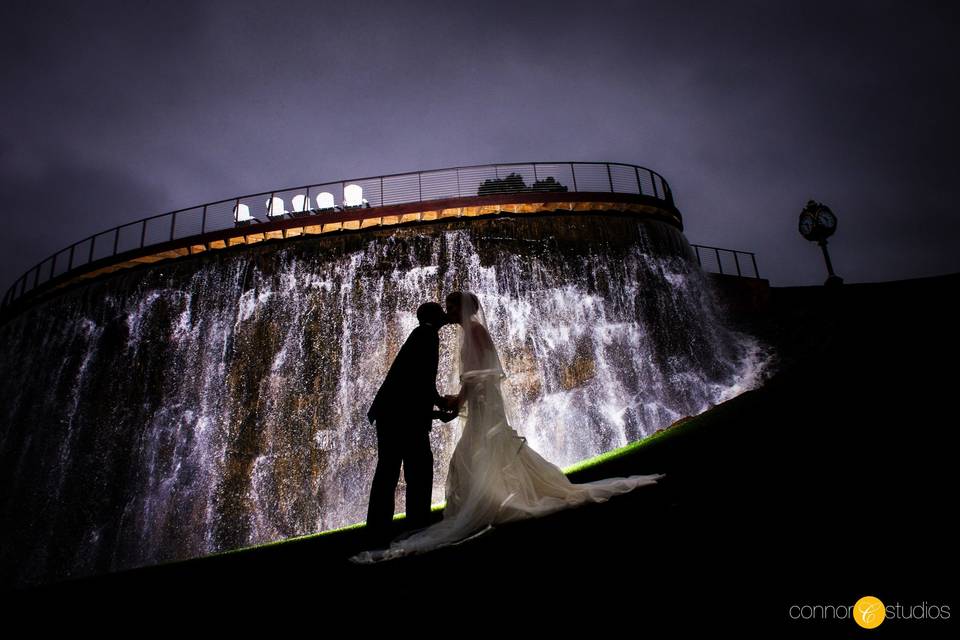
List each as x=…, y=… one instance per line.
x=806, y=224
x=827, y=219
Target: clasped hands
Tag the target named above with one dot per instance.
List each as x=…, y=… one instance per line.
x=449, y=409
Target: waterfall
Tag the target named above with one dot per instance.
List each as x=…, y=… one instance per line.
x=219, y=401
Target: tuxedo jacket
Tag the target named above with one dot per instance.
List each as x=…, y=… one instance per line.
x=409, y=392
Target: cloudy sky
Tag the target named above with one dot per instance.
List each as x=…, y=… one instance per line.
x=115, y=111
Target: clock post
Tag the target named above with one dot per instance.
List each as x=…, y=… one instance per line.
x=817, y=223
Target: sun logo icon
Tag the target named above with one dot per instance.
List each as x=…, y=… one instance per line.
x=869, y=612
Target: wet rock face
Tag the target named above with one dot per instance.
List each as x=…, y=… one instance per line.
x=220, y=401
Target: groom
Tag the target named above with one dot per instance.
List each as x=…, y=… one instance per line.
x=403, y=411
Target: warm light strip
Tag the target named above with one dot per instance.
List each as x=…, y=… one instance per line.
x=254, y=237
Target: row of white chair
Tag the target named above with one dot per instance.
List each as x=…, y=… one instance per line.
x=352, y=198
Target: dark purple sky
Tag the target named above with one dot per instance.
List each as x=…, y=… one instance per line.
x=115, y=111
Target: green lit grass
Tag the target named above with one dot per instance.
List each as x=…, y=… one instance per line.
x=589, y=463
x=628, y=449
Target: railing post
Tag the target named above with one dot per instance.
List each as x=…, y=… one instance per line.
x=419, y=187
x=653, y=181
x=639, y=186
x=173, y=224
x=143, y=232
x=116, y=239
x=36, y=278
x=381, y=191
x=719, y=264
x=203, y=221
x=669, y=193
x=696, y=248
x=69, y=262
x=736, y=261
x=93, y=241
x=53, y=266
x=609, y=177
x=459, y=192
x=755, y=271
x=534, y=173
x=573, y=174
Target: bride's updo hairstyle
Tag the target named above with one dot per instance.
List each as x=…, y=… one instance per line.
x=472, y=302
x=467, y=301
x=477, y=351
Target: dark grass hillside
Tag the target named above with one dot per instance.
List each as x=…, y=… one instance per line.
x=834, y=480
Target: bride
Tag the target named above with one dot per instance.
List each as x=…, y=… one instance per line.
x=494, y=476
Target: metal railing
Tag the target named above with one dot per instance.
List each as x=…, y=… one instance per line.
x=712, y=259
x=317, y=199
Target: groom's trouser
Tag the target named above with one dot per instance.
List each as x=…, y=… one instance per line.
x=400, y=442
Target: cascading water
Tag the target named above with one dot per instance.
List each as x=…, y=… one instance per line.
x=219, y=401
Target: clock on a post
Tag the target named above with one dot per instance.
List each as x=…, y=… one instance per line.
x=817, y=223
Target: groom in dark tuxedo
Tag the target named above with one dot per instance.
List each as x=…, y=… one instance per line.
x=403, y=411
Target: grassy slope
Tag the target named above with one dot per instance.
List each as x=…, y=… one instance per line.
x=833, y=480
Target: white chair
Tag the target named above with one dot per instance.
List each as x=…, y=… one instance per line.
x=275, y=207
x=325, y=201
x=353, y=196
x=241, y=214
x=301, y=203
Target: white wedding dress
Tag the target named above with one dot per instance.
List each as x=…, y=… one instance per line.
x=494, y=476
